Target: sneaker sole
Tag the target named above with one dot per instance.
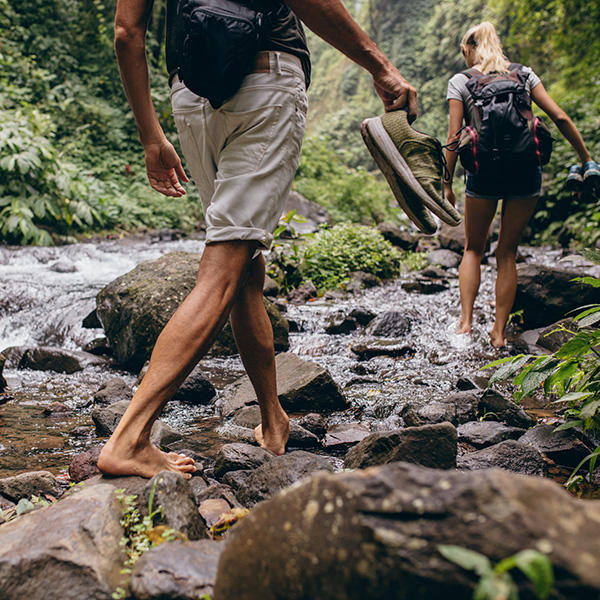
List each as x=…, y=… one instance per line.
x=414, y=209
x=380, y=137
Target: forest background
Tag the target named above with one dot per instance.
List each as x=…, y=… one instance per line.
x=71, y=162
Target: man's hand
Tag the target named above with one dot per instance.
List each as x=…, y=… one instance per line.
x=396, y=92
x=164, y=169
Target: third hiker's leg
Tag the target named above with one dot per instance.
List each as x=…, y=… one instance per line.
x=254, y=338
x=515, y=216
x=187, y=336
x=479, y=214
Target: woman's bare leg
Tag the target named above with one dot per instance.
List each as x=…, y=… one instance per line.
x=479, y=214
x=515, y=216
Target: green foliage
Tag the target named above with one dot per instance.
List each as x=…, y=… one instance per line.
x=572, y=373
x=496, y=583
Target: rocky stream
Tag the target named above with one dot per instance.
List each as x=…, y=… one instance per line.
x=397, y=444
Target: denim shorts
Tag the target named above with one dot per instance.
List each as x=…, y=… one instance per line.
x=243, y=156
x=516, y=186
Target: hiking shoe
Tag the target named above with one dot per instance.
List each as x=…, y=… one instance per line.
x=575, y=179
x=591, y=177
x=415, y=158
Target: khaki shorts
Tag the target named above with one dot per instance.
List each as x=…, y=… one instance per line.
x=243, y=156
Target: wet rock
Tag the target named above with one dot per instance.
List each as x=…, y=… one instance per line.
x=69, y=550
x=504, y=409
x=176, y=571
x=379, y=532
x=13, y=356
x=359, y=280
x=303, y=386
x=433, y=272
x=173, y=493
x=553, y=337
x=217, y=491
x=64, y=265
x=487, y=433
x=45, y=358
x=275, y=475
x=113, y=390
x=135, y=307
x=98, y=347
x=363, y=316
x=235, y=457
x=197, y=486
x=552, y=288
x=344, y=435
x=3, y=384
x=563, y=447
x=92, y=321
x=314, y=213
x=270, y=287
x=396, y=236
x=456, y=409
x=315, y=423
x=429, y=445
x=34, y=483
x=452, y=238
x=85, y=465
x=303, y=294
x=211, y=510
x=526, y=343
x=339, y=323
x=472, y=382
x=447, y=259
x=424, y=285
x=391, y=324
x=510, y=455
x=372, y=348
x=82, y=431
x=106, y=421
x=196, y=389
x=57, y=409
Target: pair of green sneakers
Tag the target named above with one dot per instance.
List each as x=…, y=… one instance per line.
x=413, y=165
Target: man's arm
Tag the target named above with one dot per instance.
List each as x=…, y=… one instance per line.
x=162, y=163
x=330, y=20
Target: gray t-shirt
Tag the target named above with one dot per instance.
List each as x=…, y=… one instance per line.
x=457, y=90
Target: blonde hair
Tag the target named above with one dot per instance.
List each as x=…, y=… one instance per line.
x=484, y=40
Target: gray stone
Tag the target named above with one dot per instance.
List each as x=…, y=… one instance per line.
x=314, y=213
x=303, y=293
x=504, y=409
x=135, y=308
x=359, y=280
x=270, y=287
x=235, y=457
x=303, y=386
x=85, y=465
x=363, y=316
x=391, y=324
x=371, y=348
x=553, y=337
x=275, y=475
x=456, y=409
x=45, y=358
x=113, y=390
x=510, y=455
x=344, y=435
x=429, y=445
x=34, y=483
x=217, y=491
x=69, y=550
x=486, y=433
x=563, y=447
x=398, y=237
x=448, y=259
x=3, y=384
x=424, y=285
x=64, y=265
x=339, y=323
x=376, y=534
x=173, y=493
x=57, y=409
x=176, y=571
x=453, y=238
x=98, y=346
x=315, y=423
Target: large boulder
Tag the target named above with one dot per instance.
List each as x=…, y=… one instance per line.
x=510, y=455
x=135, y=307
x=46, y=358
x=33, y=483
x=553, y=289
x=376, y=534
x=69, y=550
x=302, y=386
x=3, y=384
x=314, y=213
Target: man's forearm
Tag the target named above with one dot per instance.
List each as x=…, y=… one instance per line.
x=330, y=20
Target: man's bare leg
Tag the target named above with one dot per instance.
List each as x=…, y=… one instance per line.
x=185, y=339
x=254, y=338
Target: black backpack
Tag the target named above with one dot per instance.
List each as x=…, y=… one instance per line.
x=217, y=41
x=504, y=136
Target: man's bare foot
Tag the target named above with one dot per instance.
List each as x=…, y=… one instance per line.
x=275, y=437
x=144, y=461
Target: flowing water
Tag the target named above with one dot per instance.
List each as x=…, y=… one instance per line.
x=47, y=292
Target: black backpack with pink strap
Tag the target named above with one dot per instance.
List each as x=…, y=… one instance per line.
x=504, y=136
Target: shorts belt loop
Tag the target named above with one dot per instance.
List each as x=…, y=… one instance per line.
x=278, y=62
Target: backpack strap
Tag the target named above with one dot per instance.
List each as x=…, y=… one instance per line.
x=470, y=73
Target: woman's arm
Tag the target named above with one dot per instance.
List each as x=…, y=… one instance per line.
x=454, y=126
x=568, y=129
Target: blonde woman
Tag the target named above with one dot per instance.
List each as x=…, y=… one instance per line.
x=519, y=192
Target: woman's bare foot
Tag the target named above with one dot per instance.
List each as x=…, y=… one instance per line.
x=276, y=436
x=144, y=461
x=463, y=327
x=497, y=339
